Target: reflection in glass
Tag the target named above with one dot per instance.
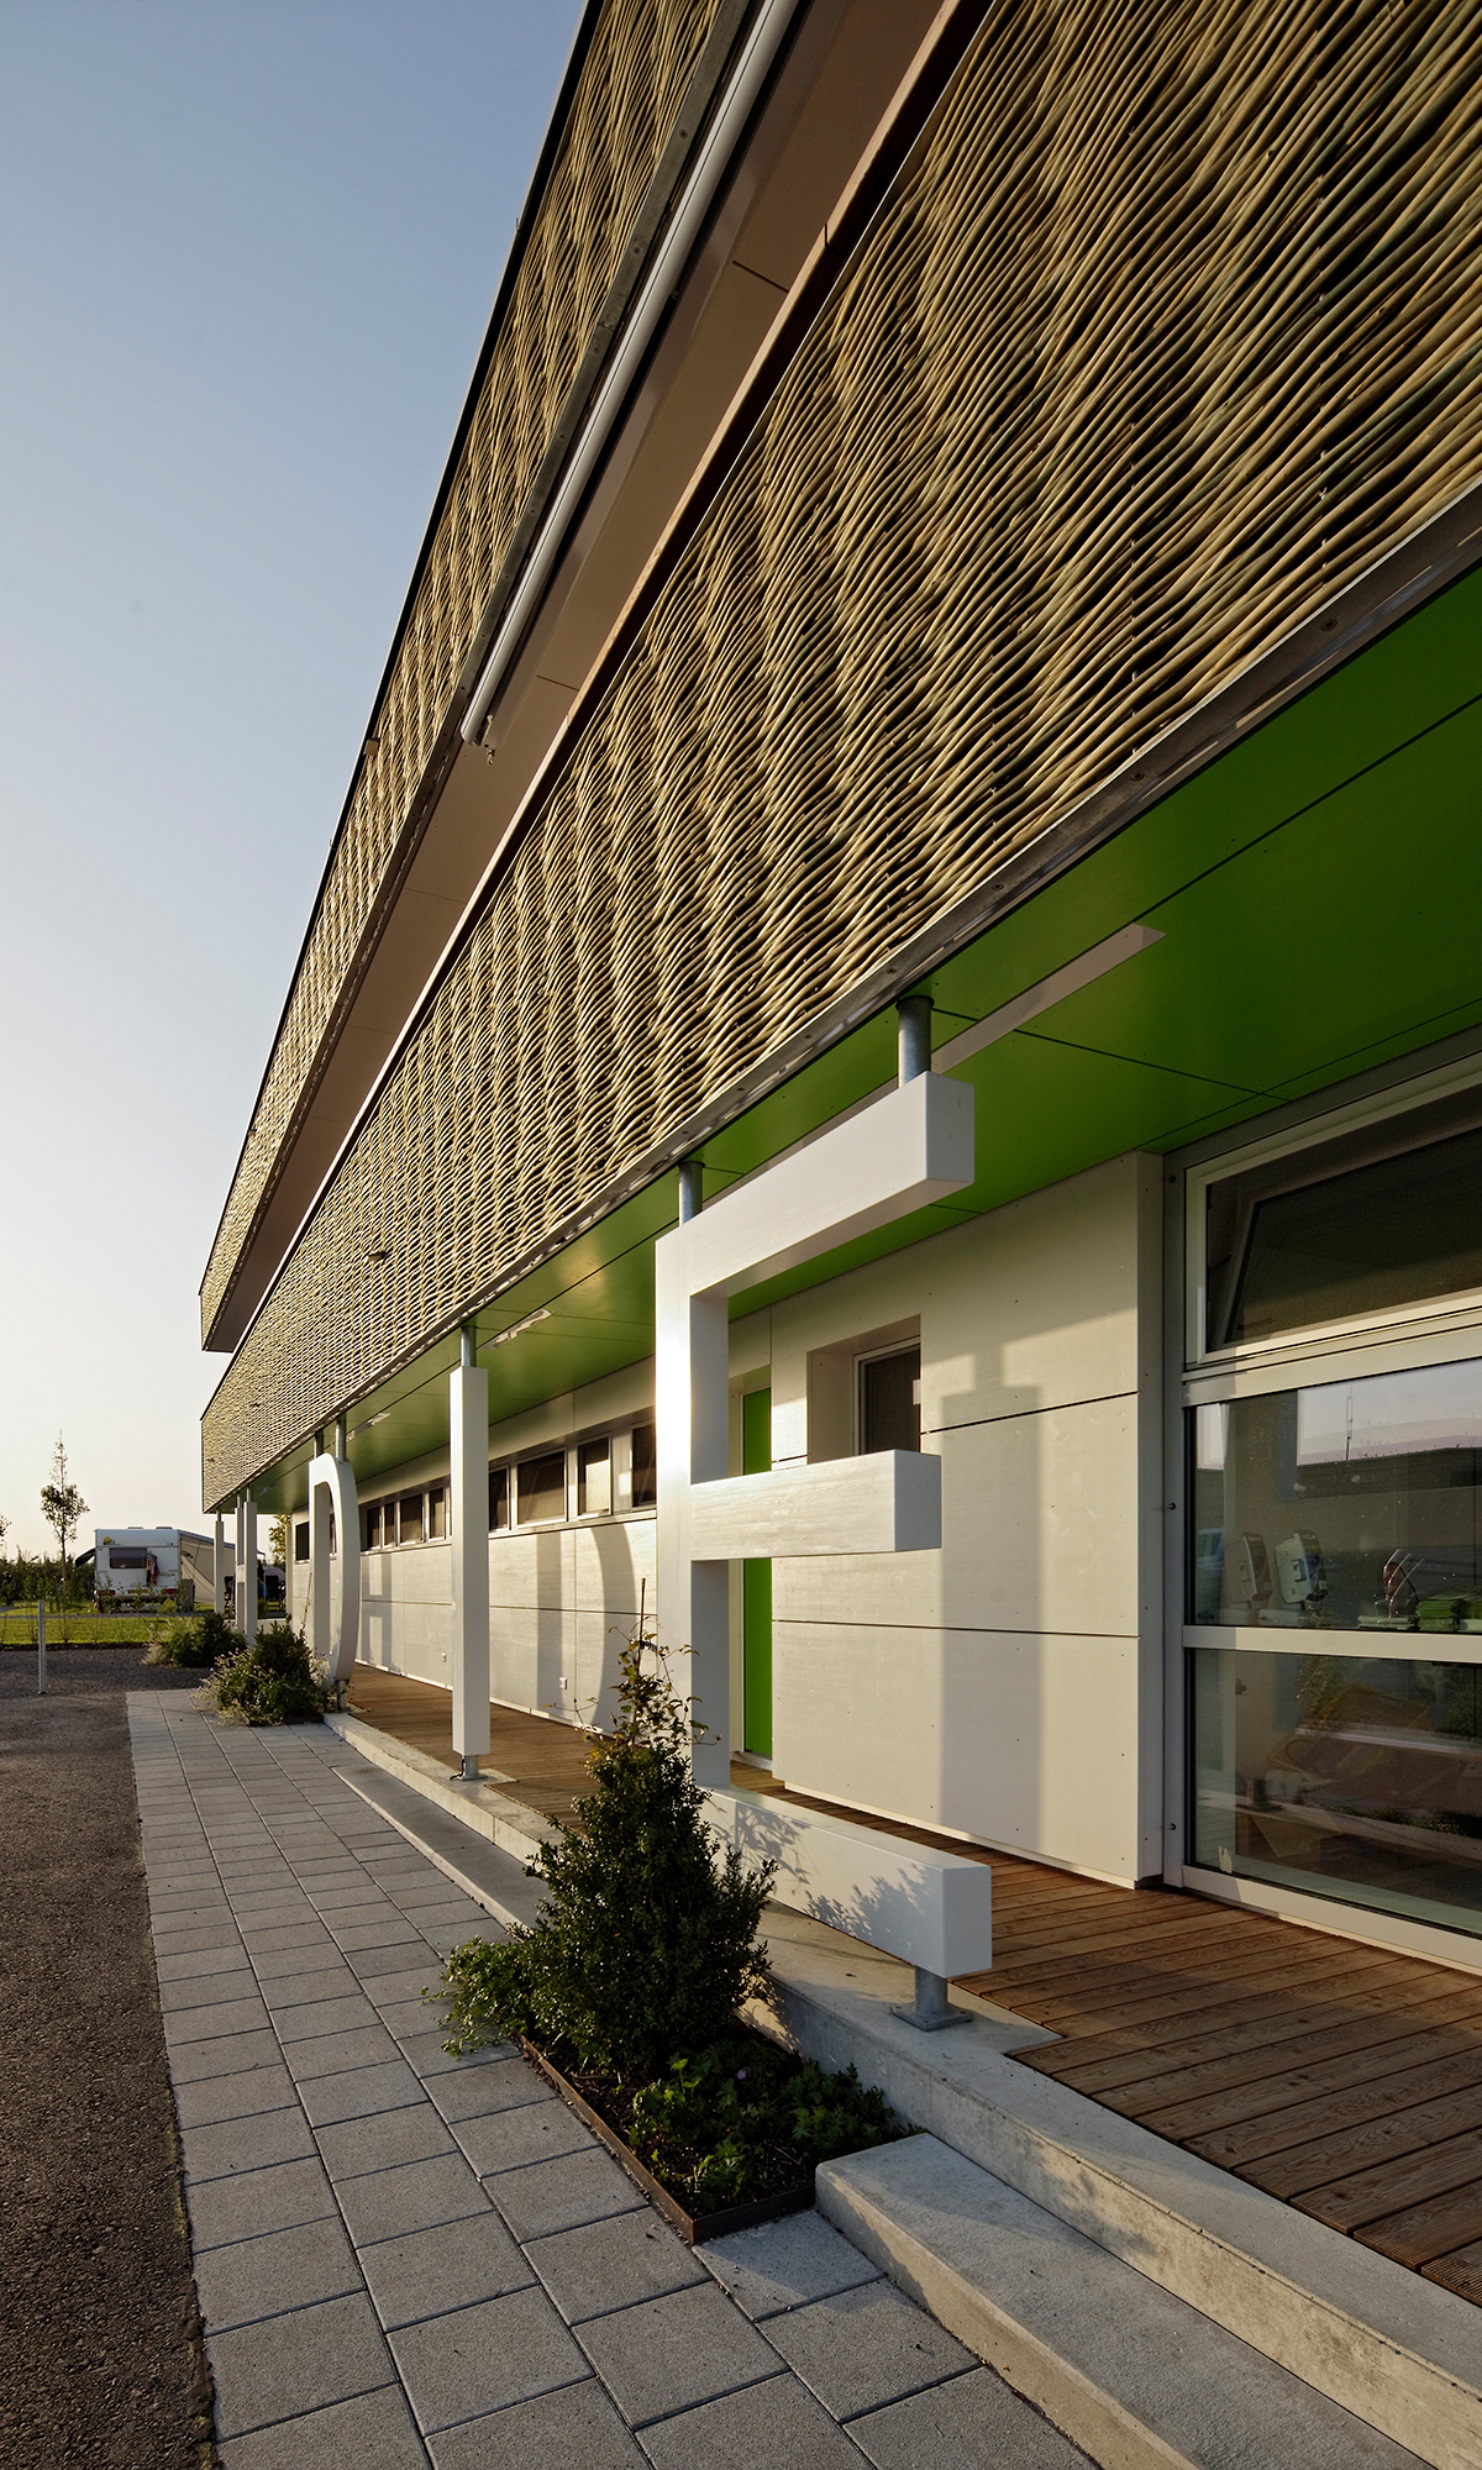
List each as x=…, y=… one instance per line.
x=1353, y=1778
x=1348, y=1505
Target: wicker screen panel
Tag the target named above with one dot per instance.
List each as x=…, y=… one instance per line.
x=1171, y=325
x=641, y=57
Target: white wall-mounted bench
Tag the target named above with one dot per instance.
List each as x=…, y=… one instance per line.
x=934, y=1910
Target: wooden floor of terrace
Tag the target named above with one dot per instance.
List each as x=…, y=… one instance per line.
x=1344, y=2080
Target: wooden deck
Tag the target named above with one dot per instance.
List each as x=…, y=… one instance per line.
x=1344, y=2080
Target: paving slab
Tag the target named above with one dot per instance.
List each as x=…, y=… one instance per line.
x=609, y=2264
x=773, y=2426
x=974, y=2422
x=361, y=2146
x=359, y=2092
x=786, y=2263
x=366, y=2044
x=281, y=2269
x=864, y=2347
x=558, y=2195
x=257, y=2200
x=238, y=2145
x=373, y=2432
x=511, y=2137
x=415, y=2195
x=317, y=2016
x=577, y=2428
x=432, y=2272
x=245, y=2093
x=669, y=2353
x=224, y=2054
x=480, y=2358
x=296, y=2362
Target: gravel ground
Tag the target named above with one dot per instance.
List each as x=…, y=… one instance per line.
x=100, y=2362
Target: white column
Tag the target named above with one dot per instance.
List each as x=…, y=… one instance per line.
x=468, y=1511
x=692, y=1397
x=333, y=1612
x=247, y=1570
x=218, y=1568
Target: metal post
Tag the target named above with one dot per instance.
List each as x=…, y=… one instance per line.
x=931, y=2008
x=40, y=1648
x=218, y=1569
x=691, y=1188
x=913, y=1045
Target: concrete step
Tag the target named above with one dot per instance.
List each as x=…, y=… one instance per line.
x=1138, y=2379
x=494, y=1878
x=1401, y=2354
x=481, y=1807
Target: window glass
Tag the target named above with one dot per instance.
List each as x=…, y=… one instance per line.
x=1381, y=1217
x=1347, y=1505
x=499, y=1496
x=594, y=1479
x=645, y=1466
x=540, y=1487
x=409, y=1518
x=890, y=1400
x=373, y=1520
x=1353, y=1778
x=301, y=1540
x=437, y=1511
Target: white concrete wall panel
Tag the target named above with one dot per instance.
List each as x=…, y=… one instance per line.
x=406, y=1612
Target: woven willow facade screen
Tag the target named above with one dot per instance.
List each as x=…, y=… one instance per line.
x=634, y=76
x=1172, y=323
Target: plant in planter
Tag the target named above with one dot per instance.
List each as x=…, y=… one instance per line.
x=196, y=1643
x=274, y=1681
x=632, y=1978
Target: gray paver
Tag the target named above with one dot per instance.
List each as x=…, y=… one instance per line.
x=773, y=2426
x=240, y=2144
x=472, y=2088
x=374, y=2432
x=289, y=2364
x=362, y=2145
x=235, y=2015
x=317, y=2016
x=389, y=1961
x=608, y=2264
x=434, y=2271
x=512, y=2138
x=246, y=2093
x=482, y=2357
x=415, y=2196
x=423, y=2044
x=865, y=2347
x=277, y=1964
x=303, y=1989
x=361, y=2045
x=358, y=2092
x=229, y=1981
x=265, y=2276
x=275, y=2199
x=785, y=2263
x=576, y=2428
x=557, y=2195
x=673, y=2352
x=201, y=1963
x=409, y=1981
x=227, y=2054
x=973, y=2423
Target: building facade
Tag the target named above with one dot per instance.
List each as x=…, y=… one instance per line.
x=961, y=550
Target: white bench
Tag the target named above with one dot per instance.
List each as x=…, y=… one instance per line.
x=934, y=1910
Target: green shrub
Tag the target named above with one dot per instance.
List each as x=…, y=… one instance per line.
x=199, y=1642
x=746, y=2116
x=646, y=1944
x=274, y=1681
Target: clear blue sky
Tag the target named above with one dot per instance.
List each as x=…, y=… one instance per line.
x=249, y=249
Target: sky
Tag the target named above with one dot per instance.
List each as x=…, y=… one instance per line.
x=249, y=251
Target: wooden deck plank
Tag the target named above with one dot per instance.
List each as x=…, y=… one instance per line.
x=1094, y=2066
x=1425, y=2231
x=1403, y=2041
x=1162, y=2104
x=1347, y=2152
x=1393, y=2186
x=1460, y=2271
x=1297, y=2123
x=1170, y=2022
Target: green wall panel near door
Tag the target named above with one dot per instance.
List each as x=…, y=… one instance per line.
x=756, y=1589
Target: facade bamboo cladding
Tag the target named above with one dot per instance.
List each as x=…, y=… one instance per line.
x=640, y=59
x=1171, y=325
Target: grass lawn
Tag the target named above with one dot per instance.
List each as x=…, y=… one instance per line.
x=79, y=1627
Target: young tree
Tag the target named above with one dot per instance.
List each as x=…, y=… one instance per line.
x=62, y=1506
x=279, y=1541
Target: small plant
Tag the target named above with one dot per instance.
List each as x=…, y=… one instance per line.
x=194, y=1644
x=744, y=2115
x=646, y=1944
x=274, y=1681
